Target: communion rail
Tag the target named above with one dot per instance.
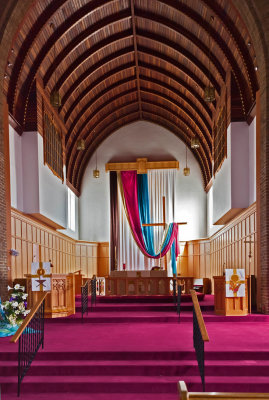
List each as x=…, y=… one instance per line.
x=185, y=395
x=31, y=336
x=200, y=336
x=84, y=298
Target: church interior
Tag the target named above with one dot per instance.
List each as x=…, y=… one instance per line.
x=133, y=199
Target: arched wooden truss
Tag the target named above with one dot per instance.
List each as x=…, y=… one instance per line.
x=118, y=61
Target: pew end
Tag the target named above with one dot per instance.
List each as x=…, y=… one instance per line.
x=185, y=395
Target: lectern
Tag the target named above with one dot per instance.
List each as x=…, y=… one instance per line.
x=229, y=305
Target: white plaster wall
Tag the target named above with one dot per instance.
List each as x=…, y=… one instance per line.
x=222, y=185
x=16, y=176
x=142, y=139
x=30, y=170
x=252, y=162
x=52, y=192
x=240, y=164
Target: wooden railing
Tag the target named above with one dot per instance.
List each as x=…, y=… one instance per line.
x=185, y=395
x=31, y=336
x=200, y=336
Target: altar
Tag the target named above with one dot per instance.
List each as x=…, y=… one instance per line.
x=138, y=283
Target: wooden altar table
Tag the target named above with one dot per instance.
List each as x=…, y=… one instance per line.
x=138, y=283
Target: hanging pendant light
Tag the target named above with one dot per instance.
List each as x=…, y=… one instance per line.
x=195, y=144
x=96, y=172
x=81, y=145
x=209, y=92
x=186, y=170
x=55, y=98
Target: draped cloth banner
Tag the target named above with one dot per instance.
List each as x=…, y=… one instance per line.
x=135, y=197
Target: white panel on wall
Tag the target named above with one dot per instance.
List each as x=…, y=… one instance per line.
x=222, y=184
x=16, y=182
x=142, y=139
x=52, y=192
x=30, y=165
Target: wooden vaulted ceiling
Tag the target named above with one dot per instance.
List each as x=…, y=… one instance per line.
x=117, y=61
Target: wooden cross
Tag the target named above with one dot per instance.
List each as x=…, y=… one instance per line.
x=142, y=165
x=164, y=225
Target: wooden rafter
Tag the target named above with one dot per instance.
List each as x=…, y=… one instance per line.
x=136, y=60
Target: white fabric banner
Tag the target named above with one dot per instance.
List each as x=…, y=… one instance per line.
x=161, y=183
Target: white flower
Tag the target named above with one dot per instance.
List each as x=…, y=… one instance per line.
x=9, y=288
x=21, y=307
x=15, y=304
x=14, y=295
x=12, y=320
x=17, y=312
x=26, y=312
x=22, y=288
x=17, y=286
x=24, y=297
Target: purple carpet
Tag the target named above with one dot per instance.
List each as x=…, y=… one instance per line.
x=134, y=350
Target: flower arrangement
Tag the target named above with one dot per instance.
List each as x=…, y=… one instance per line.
x=14, y=310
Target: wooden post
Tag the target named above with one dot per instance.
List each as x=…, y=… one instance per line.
x=164, y=223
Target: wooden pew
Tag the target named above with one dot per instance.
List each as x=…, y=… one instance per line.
x=185, y=395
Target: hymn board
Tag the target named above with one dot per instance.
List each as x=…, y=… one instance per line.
x=142, y=165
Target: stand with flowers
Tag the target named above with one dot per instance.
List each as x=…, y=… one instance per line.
x=13, y=311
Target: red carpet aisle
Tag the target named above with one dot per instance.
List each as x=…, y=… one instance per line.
x=130, y=350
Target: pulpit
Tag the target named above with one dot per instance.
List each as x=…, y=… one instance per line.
x=60, y=301
x=229, y=305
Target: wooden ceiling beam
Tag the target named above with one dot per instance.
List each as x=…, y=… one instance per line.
x=186, y=99
x=105, y=91
x=65, y=27
x=84, y=57
x=205, y=25
x=74, y=137
x=183, y=110
x=179, y=66
x=233, y=31
x=37, y=26
x=207, y=107
x=184, y=53
x=83, y=110
x=193, y=125
x=90, y=104
x=93, y=84
x=85, y=92
x=136, y=58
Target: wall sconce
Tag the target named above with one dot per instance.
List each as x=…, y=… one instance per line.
x=96, y=172
x=195, y=144
x=186, y=170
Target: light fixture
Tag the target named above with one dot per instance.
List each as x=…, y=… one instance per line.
x=55, y=98
x=186, y=170
x=81, y=144
x=96, y=172
x=209, y=92
x=195, y=144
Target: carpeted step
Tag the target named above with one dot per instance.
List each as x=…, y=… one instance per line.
x=139, y=368
x=149, y=307
x=147, y=299
x=92, y=396
x=133, y=384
